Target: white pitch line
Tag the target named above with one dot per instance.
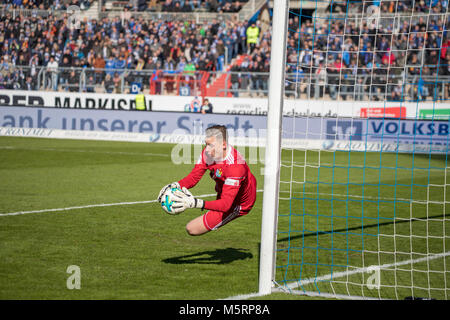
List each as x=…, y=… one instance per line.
x=88, y=151
x=88, y=206
x=94, y=206
x=74, y=208
x=292, y=286
x=140, y=202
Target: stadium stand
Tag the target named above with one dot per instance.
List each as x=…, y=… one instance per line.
x=41, y=51
x=45, y=4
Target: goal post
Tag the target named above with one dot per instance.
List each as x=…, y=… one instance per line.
x=273, y=146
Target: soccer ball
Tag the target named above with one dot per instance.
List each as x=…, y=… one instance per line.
x=167, y=200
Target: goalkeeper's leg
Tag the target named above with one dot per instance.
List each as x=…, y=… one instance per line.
x=196, y=227
x=212, y=220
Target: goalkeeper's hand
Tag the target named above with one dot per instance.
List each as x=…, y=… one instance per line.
x=186, y=200
x=170, y=185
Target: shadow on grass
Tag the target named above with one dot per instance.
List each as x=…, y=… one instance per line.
x=218, y=256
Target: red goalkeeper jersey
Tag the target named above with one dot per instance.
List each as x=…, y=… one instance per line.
x=235, y=184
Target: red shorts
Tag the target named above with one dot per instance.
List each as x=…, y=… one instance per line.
x=213, y=220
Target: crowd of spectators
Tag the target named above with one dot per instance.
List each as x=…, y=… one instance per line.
x=397, y=59
x=344, y=58
x=46, y=4
x=137, y=44
x=388, y=58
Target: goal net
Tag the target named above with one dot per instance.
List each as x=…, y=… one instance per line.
x=364, y=179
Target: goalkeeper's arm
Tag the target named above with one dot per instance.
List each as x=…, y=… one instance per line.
x=229, y=192
x=188, y=182
x=223, y=204
x=193, y=177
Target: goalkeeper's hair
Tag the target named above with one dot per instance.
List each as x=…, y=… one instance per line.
x=217, y=131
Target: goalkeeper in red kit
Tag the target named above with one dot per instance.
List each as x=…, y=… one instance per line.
x=235, y=185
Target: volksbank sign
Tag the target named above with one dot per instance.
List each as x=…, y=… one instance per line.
x=402, y=130
x=388, y=135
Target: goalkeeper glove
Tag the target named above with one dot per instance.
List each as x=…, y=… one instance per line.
x=163, y=190
x=177, y=208
x=186, y=200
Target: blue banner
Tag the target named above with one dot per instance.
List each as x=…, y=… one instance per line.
x=390, y=131
x=125, y=121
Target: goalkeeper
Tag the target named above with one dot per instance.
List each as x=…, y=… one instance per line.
x=235, y=185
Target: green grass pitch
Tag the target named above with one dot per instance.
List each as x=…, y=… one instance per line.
x=327, y=219
x=131, y=251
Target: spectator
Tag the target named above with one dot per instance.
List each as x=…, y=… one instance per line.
x=98, y=63
x=207, y=106
x=29, y=84
x=245, y=76
x=110, y=66
x=5, y=66
x=235, y=80
x=220, y=51
x=108, y=83
x=252, y=34
x=320, y=81
x=189, y=72
x=90, y=84
x=117, y=82
x=52, y=68
x=64, y=72
x=332, y=80
x=74, y=81
x=167, y=6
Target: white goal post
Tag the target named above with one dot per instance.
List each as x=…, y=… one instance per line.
x=273, y=146
x=356, y=201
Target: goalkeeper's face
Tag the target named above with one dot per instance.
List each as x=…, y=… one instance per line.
x=215, y=147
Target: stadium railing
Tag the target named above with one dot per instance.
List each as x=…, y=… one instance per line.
x=199, y=15
x=391, y=87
